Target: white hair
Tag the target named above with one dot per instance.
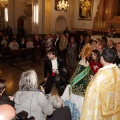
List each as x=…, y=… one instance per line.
x=28, y=80
x=56, y=101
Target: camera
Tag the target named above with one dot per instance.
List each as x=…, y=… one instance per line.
x=23, y=115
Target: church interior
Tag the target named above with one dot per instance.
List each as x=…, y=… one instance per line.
x=26, y=19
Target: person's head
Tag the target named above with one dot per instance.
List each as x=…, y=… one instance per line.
x=73, y=39
x=57, y=35
x=7, y=112
x=36, y=37
x=87, y=38
x=52, y=53
x=28, y=80
x=29, y=40
x=67, y=35
x=22, y=39
x=96, y=55
x=118, y=47
x=63, y=36
x=107, y=56
x=66, y=28
x=101, y=45
x=110, y=43
x=14, y=36
x=94, y=44
x=81, y=37
x=104, y=38
x=2, y=85
x=56, y=102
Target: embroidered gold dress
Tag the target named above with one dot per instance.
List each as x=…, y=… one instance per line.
x=102, y=97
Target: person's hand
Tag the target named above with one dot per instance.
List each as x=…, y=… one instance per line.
x=91, y=77
x=45, y=79
x=11, y=98
x=57, y=72
x=42, y=89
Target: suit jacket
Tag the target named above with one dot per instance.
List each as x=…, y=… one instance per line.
x=48, y=66
x=57, y=44
x=61, y=114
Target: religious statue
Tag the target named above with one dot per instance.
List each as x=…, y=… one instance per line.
x=86, y=7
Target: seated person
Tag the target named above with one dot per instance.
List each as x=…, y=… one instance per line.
x=14, y=45
x=4, y=42
x=7, y=112
x=30, y=99
x=60, y=112
x=29, y=43
x=22, y=43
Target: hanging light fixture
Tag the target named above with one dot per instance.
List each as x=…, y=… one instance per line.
x=63, y=6
x=3, y=3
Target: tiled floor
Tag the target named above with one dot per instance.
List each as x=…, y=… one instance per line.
x=12, y=74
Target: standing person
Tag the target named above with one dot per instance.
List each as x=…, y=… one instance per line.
x=117, y=58
x=9, y=31
x=14, y=45
x=63, y=47
x=71, y=51
x=30, y=99
x=56, y=43
x=81, y=43
x=54, y=66
x=66, y=31
x=102, y=98
x=95, y=64
x=37, y=48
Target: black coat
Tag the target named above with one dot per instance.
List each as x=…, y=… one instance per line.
x=57, y=44
x=48, y=66
x=61, y=114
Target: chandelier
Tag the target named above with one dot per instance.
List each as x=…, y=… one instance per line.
x=3, y=3
x=63, y=6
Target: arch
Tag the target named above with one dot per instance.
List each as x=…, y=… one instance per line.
x=60, y=24
x=21, y=24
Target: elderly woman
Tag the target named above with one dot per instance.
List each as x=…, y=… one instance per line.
x=60, y=112
x=30, y=99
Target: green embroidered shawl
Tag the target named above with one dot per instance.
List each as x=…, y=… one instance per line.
x=80, y=79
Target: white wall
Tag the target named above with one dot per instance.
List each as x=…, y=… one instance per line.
x=19, y=10
x=11, y=13
x=56, y=14
x=40, y=23
x=84, y=24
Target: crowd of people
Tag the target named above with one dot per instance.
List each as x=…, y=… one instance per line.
x=90, y=93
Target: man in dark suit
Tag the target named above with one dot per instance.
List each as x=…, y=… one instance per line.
x=56, y=43
x=54, y=71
